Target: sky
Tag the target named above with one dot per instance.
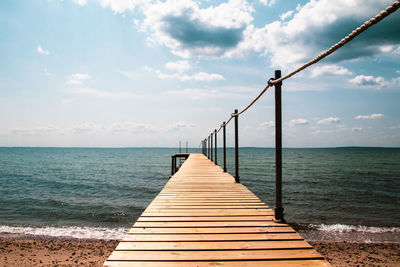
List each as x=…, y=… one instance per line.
x=135, y=73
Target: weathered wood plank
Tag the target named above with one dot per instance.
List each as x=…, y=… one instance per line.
x=270, y=263
x=225, y=245
x=212, y=237
x=209, y=230
x=209, y=224
x=216, y=255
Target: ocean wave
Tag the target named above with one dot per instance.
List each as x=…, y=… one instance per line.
x=343, y=228
x=350, y=233
x=80, y=232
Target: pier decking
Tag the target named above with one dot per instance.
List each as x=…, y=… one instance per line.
x=203, y=218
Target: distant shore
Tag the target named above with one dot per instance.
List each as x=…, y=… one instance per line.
x=42, y=251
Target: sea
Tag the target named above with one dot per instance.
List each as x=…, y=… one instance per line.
x=347, y=194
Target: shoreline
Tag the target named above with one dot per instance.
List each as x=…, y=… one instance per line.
x=26, y=250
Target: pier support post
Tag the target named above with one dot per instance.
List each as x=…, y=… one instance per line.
x=278, y=149
x=224, y=143
x=215, y=157
x=235, y=114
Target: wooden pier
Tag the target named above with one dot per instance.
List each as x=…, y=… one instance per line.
x=203, y=218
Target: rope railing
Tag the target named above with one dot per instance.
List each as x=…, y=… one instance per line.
x=277, y=82
x=389, y=10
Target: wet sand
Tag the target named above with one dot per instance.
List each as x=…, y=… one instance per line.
x=29, y=251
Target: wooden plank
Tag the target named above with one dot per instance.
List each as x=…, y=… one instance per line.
x=216, y=212
x=224, y=245
x=203, y=218
x=212, y=237
x=258, y=206
x=210, y=230
x=270, y=263
x=203, y=201
x=216, y=255
x=209, y=224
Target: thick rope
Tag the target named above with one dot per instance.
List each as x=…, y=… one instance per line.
x=254, y=101
x=344, y=41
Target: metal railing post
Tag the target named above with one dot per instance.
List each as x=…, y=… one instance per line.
x=172, y=165
x=224, y=143
x=237, y=180
x=208, y=154
x=211, y=146
x=215, y=157
x=278, y=149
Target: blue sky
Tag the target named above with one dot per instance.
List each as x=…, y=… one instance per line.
x=123, y=73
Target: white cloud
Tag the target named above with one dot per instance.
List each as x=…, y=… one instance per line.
x=179, y=66
x=203, y=76
x=132, y=127
x=329, y=69
x=188, y=30
x=319, y=24
x=369, y=117
x=386, y=48
x=200, y=76
x=120, y=6
x=356, y=129
x=268, y=3
x=395, y=127
x=196, y=93
x=87, y=127
x=299, y=121
x=286, y=15
x=130, y=74
x=322, y=132
x=40, y=130
x=329, y=120
x=216, y=92
x=46, y=72
x=181, y=126
x=81, y=2
x=78, y=78
x=266, y=124
x=101, y=94
x=226, y=29
x=40, y=50
x=363, y=80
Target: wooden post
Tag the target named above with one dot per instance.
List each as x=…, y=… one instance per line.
x=237, y=180
x=278, y=149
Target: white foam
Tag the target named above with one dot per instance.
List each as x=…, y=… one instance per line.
x=343, y=228
x=67, y=231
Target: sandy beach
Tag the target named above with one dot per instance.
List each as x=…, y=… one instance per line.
x=29, y=251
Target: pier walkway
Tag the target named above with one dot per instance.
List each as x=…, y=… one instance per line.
x=203, y=218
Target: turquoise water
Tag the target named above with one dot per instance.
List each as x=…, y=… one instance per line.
x=99, y=192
